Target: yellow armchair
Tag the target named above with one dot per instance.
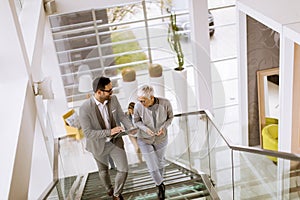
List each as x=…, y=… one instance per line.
x=72, y=131
x=270, y=120
x=270, y=139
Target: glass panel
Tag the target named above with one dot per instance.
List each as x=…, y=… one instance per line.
x=265, y=177
x=71, y=21
x=254, y=176
x=220, y=159
x=74, y=159
x=198, y=144
x=178, y=147
x=128, y=43
x=226, y=39
x=99, y=39
x=191, y=141
x=53, y=194
x=249, y=175
x=62, y=188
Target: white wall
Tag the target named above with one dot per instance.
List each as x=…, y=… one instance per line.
x=13, y=83
x=22, y=163
x=21, y=42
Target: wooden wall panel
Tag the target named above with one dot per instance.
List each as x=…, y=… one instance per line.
x=296, y=102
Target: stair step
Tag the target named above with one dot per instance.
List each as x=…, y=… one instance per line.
x=180, y=184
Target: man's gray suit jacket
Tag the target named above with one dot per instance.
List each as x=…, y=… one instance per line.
x=93, y=125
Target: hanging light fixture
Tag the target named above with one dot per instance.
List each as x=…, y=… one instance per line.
x=84, y=78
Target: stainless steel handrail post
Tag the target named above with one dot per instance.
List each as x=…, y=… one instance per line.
x=208, y=146
x=232, y=174
x=188, y=141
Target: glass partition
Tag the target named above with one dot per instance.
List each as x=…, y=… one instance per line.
x=105, y=41
x=196, y=144
x=242, y=172
x=220, y=161
x=238, y=172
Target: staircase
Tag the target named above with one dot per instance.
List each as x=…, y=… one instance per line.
x=180, y=184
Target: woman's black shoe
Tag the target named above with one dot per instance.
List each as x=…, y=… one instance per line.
x=161, y=191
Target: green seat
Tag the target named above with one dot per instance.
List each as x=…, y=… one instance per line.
x=270, y=139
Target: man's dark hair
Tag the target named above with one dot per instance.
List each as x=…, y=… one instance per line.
x=99, y=83
x=131, y=105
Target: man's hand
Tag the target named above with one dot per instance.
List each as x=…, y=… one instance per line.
x=116, y=130
x=160, y=132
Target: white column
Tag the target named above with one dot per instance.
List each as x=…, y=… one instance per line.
x=201, y=53
x=158, y=84
x=285, y=111
x=286, y=90
x=130, y=91
x=242, y=76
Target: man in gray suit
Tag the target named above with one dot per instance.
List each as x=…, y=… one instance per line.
x=99, y=118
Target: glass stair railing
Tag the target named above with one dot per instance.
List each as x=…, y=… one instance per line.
x=197, y=153
x=238, y=172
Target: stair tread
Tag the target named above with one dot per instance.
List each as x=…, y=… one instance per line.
x=179, y=182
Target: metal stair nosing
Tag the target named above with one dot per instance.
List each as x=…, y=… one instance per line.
x=166, y=176
x=153, y=189
x=171, y=178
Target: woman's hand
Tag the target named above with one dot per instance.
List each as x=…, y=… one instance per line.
x=160, y=132
x=149, y=132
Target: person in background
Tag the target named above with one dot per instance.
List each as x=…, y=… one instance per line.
x=153, y=115
x=133, y=139
x=99, y=117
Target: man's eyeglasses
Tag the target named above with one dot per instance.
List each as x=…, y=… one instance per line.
x=108, y=91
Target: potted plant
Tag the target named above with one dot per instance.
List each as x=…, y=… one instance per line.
x=157, y=79
x=174, y=41
x=129, y=84
x=179, y=73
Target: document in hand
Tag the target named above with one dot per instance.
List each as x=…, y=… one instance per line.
x=126, y=132
x=132, y=131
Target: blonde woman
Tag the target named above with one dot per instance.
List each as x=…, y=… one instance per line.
x=133, y=139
